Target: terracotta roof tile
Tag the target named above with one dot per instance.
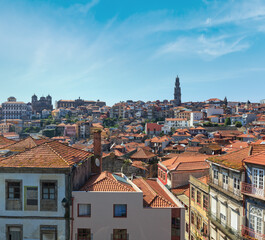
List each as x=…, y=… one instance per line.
x=186, y=161
x=232, y=160
x=48, y=155
x=24, y=144
x=154, y=196
x=142, y=154
x=5, y=141
x=106, y=182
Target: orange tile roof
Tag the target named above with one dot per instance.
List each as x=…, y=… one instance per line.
x=258, y=159
x=154, y=196
x=47, y=155
x=254, y=149
x=186, y=161
x=142, y=154
x=180, y=190
x=232, y=160
x=25, y=144
x=5, y=141
x=106, y=182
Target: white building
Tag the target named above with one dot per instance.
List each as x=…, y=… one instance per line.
x=174, y=123
x=214, y=111
x=16, y=110
x=195, y=117
x=109, y=206
x=36, y=190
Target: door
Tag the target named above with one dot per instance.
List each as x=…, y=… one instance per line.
x=258, y=181
x=255, y=221
x=234, y=220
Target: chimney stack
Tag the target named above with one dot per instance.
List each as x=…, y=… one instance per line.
x=97, y=151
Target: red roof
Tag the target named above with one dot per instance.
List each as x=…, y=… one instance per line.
x=107, y=182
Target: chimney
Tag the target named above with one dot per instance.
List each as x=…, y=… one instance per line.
x=97, y=151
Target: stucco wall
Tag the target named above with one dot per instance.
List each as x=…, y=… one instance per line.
x=141, y=223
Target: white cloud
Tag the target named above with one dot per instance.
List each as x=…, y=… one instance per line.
x=204, y=47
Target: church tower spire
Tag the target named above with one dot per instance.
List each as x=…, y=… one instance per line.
x=177, y=93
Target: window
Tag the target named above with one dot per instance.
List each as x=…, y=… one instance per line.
x=14, y=232
x=48, y=190
x=192, y=218
x=199, y=197
x=13, y=190
x=205, y=201
x=48, y=198
x=84, y=210
x=48, y=232
x=192, y=193
x=236, y=183
x=215, y=174
x=256, y=219
x=225, y=178
x=175, y=227
x=84, y=234
x=198, y=223
x=120, y=210
x=120, y=234
x=187, y=227
x=205, y=229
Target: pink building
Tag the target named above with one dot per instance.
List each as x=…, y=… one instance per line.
x=110, y=206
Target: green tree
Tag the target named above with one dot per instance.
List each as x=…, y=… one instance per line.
x=238, y=124
x=227, y=121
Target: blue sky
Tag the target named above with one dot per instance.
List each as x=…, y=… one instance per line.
x=120, y=49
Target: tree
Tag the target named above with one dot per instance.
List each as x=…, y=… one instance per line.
x=238, y=124
x=227, y=121
x=225, y=101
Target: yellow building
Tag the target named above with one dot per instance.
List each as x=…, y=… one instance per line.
x=199, y=202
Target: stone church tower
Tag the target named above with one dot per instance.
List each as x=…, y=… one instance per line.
x=177, y=93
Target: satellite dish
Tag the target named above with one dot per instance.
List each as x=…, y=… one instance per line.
x=97, y=162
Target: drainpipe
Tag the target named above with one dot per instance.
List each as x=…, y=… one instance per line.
x=72, y=218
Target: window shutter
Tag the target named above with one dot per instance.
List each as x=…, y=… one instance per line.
x=234, y=219
x=213, y=205
x=222, y=209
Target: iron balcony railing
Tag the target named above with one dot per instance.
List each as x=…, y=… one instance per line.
x=251, y=189
x=251, y=234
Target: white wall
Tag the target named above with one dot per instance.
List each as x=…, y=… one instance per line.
x=31, y=226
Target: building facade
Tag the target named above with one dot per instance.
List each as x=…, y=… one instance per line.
x=44, y=103
x=16, y=110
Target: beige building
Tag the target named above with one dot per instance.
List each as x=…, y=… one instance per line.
x=110, y=206
x=199, y=199
x=226, y=201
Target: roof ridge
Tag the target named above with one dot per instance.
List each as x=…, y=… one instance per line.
x=148, y=186
x=46, y=143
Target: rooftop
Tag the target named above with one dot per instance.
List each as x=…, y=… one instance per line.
x=107, y=182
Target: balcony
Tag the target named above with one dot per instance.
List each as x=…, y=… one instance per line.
x=251, y=190
x=227, y=189
x=250, y=234
x=226, y=229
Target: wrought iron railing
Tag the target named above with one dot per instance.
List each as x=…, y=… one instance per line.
x=250, y=189
x=251, y=234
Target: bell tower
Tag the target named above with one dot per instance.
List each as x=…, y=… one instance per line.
x=177, y=93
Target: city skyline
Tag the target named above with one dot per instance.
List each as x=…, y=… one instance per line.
x=119, y=51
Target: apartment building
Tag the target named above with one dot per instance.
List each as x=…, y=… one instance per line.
x=36, y=187
x=199, y=203
x=175, y=172
x=11, y=109
x=110, y=206
x=254, y=197
x=226, y=201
